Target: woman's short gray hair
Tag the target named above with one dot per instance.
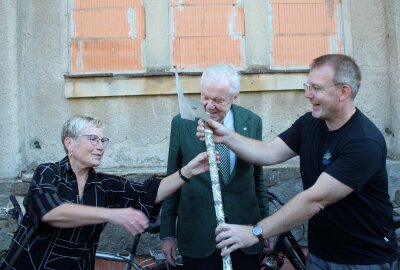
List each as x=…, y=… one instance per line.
x=75, y=124
x=215, y=73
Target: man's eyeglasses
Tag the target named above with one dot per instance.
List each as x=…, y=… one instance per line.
x=94, y=139
x=316, y=88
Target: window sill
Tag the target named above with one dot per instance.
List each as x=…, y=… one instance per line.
x=163, y=83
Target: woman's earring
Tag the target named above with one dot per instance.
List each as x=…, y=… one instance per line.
x=70, y=154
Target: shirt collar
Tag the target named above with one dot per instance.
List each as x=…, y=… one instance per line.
x=229, y=120
x=65, y=166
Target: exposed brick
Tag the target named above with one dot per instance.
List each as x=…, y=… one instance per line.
x=302, y=19
x=299, y=1
x=107, y=55
x=109, y=23
x=298, y=50
x=303, y=30
x=202, y=2
x=84, y=4
x=107, y=35
x=213, y=20
x=200, y=52
x=207, y=32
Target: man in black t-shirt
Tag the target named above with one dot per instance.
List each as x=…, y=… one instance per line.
x=343, y=168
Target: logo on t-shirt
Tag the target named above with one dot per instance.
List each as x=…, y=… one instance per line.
x=327, y=158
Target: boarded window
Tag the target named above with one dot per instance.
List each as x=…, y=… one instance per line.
x=305, y=29
x=107, y=35
x=207, y=32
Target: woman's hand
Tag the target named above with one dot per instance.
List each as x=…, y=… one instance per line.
x=132, y=220
x=198, y=165
x=171, y=183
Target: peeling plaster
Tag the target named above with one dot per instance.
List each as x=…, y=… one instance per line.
x=339, y=30
x=180, y=5
x=132, y=22
x=172, y=35
x=232, y=25
x=333, y=41
x=72, y=26
x=79, y=58
x=329, y=6
x=143, y=55
x=242, y=53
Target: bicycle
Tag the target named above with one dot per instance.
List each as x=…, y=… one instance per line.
x=157, y=262
x=285, y=246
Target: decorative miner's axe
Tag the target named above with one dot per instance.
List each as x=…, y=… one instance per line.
x=191, y=110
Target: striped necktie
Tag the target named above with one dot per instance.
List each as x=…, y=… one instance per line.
x=224, y=166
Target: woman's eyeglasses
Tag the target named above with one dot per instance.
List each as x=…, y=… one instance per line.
x=94, y=139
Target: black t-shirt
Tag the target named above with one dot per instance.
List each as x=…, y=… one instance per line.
x=358, y=229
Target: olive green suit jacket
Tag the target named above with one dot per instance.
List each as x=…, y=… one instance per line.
x=189, y=214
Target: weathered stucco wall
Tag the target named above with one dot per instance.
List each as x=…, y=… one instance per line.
x=35, y=58
x=370, y=51
x=393, y=33
x=11, y=156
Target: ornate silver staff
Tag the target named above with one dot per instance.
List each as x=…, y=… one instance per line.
x=216, y=188
x=191, y=110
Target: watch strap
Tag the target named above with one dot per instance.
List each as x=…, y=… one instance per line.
x=184, y=178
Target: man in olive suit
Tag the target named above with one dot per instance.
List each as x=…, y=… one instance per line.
x=188, y=219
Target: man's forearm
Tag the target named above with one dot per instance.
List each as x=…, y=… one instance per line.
x=295, y=212
x=248, y=149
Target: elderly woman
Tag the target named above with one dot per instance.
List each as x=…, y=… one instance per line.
x=69, y=203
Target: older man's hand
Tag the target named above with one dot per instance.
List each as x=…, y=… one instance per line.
x=169, y=249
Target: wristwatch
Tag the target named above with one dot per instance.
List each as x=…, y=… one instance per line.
x=257, y=232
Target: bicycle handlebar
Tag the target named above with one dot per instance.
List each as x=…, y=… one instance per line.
x=154, y=227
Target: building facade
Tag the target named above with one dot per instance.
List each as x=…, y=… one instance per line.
x=115, y=60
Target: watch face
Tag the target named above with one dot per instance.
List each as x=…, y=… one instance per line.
x=257, y=230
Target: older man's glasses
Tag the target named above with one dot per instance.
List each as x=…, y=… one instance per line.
x=94, y=139
x=317, y=88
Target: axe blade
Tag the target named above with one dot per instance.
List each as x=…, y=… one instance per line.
x=189, y=109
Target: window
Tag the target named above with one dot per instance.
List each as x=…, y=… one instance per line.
x=207, y=32
x=270, y=41
x=107, y=36
x=303, y=30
